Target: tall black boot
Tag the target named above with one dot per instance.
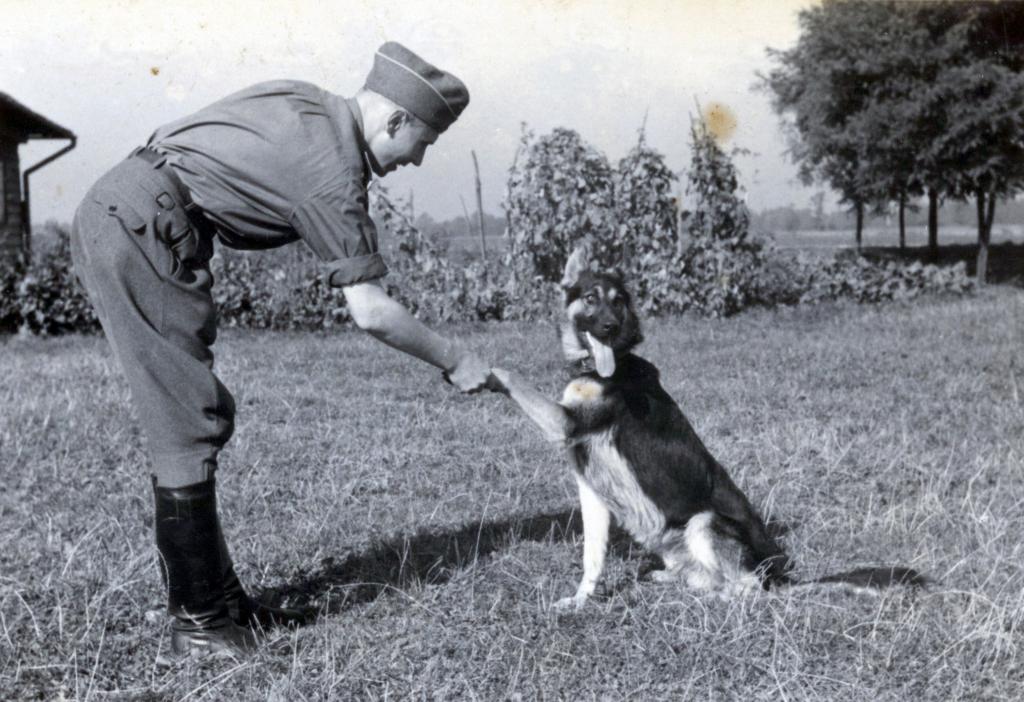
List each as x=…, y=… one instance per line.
x=187, y=536
x=245, y=611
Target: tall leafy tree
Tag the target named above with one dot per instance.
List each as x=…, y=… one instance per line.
x=890, y=100
x=819, y=85
x=981, y=91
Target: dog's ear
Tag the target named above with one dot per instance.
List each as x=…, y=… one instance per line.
x=578, y=262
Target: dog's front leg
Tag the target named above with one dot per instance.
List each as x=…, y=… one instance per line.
x=550, y=416
x=596, y=520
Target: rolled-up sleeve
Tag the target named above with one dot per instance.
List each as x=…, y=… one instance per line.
x=336, y=225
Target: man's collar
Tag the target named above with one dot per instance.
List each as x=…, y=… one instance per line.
x=369, y=162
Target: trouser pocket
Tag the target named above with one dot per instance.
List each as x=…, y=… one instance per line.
x=159, y=222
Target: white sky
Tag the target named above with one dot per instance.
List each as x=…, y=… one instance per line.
x=597, y=67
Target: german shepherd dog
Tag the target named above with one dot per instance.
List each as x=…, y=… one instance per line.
x=638, y=458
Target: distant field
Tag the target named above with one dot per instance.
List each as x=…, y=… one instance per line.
x=889, y=236
x=433, y=531
x=811, y=240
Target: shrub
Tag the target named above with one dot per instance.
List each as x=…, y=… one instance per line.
x=719, y=262
x=10, y=308
x=800, y=279
x=647, y=215
x=275, y=290
x=44, y=297
x=563, y=193
x=434, y=289
x=559, y=191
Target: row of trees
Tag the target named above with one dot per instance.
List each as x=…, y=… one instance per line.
x=790, y=218
x=890, y=101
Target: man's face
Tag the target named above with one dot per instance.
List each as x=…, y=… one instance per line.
x=404, y=142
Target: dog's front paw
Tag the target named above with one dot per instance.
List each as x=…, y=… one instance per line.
x=570, y=604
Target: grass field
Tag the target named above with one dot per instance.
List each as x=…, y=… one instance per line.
x=433, y=531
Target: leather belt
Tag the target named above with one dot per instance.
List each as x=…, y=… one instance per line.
x=158, y=160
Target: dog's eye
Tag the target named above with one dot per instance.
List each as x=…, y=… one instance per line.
x=590, y=298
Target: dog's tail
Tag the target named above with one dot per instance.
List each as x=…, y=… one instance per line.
x=866, y=579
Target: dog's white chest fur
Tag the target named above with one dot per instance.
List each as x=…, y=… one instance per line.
x=609, y=475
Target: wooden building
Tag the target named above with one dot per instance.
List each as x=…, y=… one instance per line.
x=18, y=124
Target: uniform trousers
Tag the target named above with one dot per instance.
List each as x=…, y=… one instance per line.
x=144, y=260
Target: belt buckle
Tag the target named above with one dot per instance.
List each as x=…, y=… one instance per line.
x=150, y=156
x=165, y=201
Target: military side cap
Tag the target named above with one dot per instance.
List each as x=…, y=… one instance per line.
x=435, y=96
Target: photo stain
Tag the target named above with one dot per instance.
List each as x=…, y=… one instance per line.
x=719, y=120
x=155, y=70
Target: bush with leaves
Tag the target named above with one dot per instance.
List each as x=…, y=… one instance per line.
x=44, y=297
x=275, y=290
x=426, y=281
x=559, y=191
x=800, y=279
x=647, y=217
x=10, y=310
x=720, y=260
x=560, y=195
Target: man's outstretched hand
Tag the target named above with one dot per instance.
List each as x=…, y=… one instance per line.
x=497, y=381
x=470, y=375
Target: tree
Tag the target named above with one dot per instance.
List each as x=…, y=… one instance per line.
x=819, y=85
x=559, y=190
x=981, y=91
x=818, y=207
x=890, y=100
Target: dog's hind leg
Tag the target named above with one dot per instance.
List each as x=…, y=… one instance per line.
x=596, y=522
x=706, y=571
x=738, y=518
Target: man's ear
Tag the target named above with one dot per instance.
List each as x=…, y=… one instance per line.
x=578, y=262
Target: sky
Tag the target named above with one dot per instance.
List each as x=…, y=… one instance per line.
x=113, y=71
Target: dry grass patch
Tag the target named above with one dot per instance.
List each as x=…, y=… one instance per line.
x=434, y=530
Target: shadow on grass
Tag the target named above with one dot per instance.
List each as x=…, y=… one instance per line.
x=419, y=558
x=1005, y=260
x=430, y=558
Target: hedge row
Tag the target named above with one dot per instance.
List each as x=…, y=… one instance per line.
x=274, y=290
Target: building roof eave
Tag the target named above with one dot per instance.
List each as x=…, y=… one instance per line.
x=24, y=124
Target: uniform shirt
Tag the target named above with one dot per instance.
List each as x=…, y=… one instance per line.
x=277, y=162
